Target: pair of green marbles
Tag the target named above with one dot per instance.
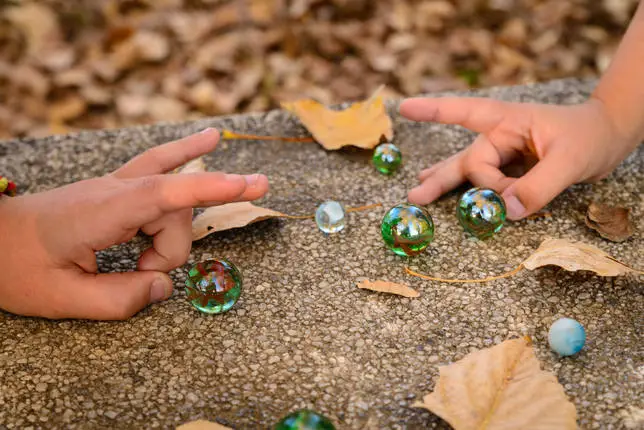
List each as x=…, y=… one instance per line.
x=408, y=229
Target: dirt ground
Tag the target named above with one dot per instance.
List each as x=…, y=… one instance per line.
x=106, y=63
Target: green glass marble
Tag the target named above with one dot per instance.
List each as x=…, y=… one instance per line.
x=304, y=419
x=213, y=286
x=407, y=229
x=387, y=158
x=481, y=212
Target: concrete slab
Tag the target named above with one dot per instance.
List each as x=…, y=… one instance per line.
x=302, y=334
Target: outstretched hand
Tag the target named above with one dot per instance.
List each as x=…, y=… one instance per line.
x=570, y=144
x=49, y=239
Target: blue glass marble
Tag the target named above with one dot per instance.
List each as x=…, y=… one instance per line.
x=566, y=337
x=330, y=217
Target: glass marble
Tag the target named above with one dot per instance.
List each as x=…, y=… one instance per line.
x=330, y=217
x=407, y=229
x=566, y=337
x=387, y=158
x=481, y=212
x=213, y=286
x=305, y=419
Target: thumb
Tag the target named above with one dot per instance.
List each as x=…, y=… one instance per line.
x=547, y=179
x=116, y=296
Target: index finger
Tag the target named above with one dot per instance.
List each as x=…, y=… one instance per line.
x=147, y=199
x=478, y=114
x=164, y=158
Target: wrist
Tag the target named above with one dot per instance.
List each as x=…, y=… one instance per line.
x=627, y=128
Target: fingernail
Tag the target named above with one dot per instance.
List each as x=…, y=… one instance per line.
x=232, y=177
x=516, y=210
x=251, y=180
x=207, y=130
x=160, y=290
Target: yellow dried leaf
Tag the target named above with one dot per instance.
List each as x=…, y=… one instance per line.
x=202, y=425
x=501, y=387
x=362, y=124
x=231, y=215
x=574, y=256
x=389, y=287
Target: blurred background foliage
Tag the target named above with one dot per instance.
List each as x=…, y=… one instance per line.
x=68, y=65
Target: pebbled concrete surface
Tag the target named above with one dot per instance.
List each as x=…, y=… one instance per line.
x=302, y=334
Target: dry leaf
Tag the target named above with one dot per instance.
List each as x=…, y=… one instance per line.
x=610, y=222
x=571, y=256
x=362, y=124
x=38, y=23
x=151, y=46
x=231, y=215
x=389, y=287
x=162, y=108
x=194, y=166
x=131, y=105
x=574, y=256
x=66, y=109
x=202, y=425
x=501, y=387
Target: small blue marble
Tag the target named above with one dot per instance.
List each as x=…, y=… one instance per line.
x=566, y=337
x=330, y=217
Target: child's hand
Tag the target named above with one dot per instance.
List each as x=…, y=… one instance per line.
x=48, y=265
x=570, y=144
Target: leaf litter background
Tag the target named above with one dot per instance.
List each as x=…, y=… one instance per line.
x=112, y=63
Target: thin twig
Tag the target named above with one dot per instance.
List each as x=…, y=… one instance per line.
x=227, y=134
x=465, y=281
x=357, y=209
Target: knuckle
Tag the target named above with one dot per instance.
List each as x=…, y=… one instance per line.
x=149, y=184
x=178, y=257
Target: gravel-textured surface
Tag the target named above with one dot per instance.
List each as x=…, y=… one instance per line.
x=302, y=334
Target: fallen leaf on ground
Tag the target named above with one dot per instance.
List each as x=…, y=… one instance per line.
x=66, y=109
x=612, y=223
x=572, y=256
x=166, y=109
x=38, y=23
x=388, y=287
x=152, y=46
x=362, y=124
x=230, y=215
x=202, y=425
x=501, y=387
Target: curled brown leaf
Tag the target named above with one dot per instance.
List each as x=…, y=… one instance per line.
x=612, y=223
